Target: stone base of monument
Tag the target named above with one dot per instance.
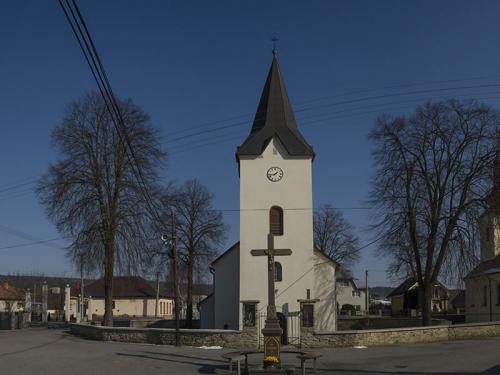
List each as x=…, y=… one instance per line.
x=282, y=371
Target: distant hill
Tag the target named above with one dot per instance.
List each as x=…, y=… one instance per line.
x=381, y=291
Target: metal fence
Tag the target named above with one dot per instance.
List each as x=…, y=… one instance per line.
x=290, y=322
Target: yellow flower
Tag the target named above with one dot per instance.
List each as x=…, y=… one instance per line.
x=271, y=359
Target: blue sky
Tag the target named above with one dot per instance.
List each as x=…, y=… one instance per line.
x=196, y=64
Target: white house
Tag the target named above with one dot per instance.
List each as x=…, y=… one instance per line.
x=350, y=293
x=275, y=171
x=132, y=297
x=12, y=299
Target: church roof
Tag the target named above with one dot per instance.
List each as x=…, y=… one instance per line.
x=325, y=256
x=274, y=117
x=123, y=287
x=486, y=267
x=235, y=246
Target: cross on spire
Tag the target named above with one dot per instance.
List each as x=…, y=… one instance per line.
x=274, y=39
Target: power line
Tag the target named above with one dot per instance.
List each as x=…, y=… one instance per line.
x=32, y=243
x=185, y=147
x=344, y=102
x=348, y=93
x=91, y=55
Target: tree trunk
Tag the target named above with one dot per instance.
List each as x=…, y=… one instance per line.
x=425, y=303
x=189, y=298
x=108, y=284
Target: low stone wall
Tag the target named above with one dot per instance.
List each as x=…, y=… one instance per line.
x=248, y=338
x=245, y=339
x=398, y=335
x=381, y=322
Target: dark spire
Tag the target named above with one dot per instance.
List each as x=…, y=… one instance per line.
x=274, y=117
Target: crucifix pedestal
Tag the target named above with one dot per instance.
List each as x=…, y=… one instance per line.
x=272, y=331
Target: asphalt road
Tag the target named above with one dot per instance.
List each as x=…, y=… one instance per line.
x=42, y=351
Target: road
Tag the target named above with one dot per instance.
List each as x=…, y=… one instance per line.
x=44, y=351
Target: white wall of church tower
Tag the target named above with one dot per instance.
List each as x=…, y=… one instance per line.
x=293, y=193
x=489, y=225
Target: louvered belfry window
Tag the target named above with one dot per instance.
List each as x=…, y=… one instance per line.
x=276, y=221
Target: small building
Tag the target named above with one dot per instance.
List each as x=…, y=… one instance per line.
x=199, y=293
x=405, y=299
x=12, y=299
x=457, y=301
x=351, y=297
x=132, y=297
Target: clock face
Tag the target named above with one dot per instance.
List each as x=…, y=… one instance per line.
x=274, y=174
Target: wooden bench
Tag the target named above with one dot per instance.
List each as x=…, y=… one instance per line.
x=306, y=356
x=234, y=357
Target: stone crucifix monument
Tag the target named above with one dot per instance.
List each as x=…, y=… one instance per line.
x=272, y=330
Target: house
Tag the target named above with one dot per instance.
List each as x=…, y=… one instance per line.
x=200, y=292
x=274, y=165
x=457, y=301
x=405, y=299
x=12, y=299
x=34, y=286
x=132, y=297
x=348, y=294
x=482, y=284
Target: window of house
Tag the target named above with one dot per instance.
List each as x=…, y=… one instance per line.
x=356, y=293
x=114, y=305
x=276, y=221
x=435, y=293
x=308, y=315
x=249, y=313
x=344, y=283
x=278, y=272
x=485, y=295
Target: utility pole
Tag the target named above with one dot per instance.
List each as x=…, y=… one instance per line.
x=157, y=293
x=82, y=298
x=176, y=283
x=367, y=300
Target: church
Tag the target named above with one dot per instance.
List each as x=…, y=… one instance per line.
x=274, y=164
x=482, y=284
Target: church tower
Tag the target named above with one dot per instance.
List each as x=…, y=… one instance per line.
x=275, y=168
x=490, y=221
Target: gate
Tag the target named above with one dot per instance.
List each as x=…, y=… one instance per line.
x=291, y=331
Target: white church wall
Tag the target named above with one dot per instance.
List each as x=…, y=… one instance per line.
x=325, y=314
x=482, y=298
x=226, y=292
x=489, y=229
x=294, y=195
x=207, y=313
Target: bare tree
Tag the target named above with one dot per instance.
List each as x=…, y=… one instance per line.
x=92, y=193
x=200, y=231
x=333, y=235
x=433, y=171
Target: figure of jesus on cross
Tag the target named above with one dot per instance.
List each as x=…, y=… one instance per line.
x=272, y=330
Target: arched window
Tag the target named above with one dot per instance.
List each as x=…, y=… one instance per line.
x=278, y=271
x=276, y=221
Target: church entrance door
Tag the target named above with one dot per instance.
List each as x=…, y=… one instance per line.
x=284, y=335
